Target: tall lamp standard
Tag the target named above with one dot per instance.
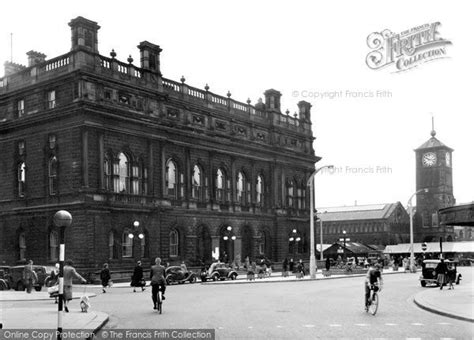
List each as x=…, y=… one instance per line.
x=294, y=237
x=131, y=234
x=321, y=257
x=410, y=208
x=310, y=184
x=229, y=235
x=62, y=219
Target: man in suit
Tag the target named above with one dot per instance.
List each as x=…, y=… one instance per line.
x=157, y=276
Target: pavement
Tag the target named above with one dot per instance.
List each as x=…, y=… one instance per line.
x=456, y=303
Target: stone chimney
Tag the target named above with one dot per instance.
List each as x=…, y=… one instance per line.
x=150, y=56
x=35, y=58
x=305, y=111
x=84, y=34
x=11, y=68
x=272, y=100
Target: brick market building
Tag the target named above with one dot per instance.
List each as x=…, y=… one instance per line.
x=130, y=153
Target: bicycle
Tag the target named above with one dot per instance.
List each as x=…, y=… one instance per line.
x=159, y=299
x=373, y=300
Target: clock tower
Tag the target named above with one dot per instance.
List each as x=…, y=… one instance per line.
x=433, y=172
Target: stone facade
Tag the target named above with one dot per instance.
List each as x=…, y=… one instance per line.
x=114, y=143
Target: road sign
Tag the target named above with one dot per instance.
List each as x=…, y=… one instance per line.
x=424, y=246
x=347, y=239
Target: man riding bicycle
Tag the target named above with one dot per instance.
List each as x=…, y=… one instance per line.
x=373, y=280
x=157, y=276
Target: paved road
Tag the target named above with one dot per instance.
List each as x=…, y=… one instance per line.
x=287, y=310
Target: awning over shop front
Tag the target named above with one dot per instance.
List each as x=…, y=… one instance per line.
x=431, y=247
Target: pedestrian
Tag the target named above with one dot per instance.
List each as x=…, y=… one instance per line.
x=105, y=277
x=300, y=269
x=183, y=267
x=54, y=281
x=291, y=265
x=284, y=272
x=29, y=276
x=441, y=270
x=247, y=263
x=157, y=276
x=69, y=274
x=137, y=277
x=328, y=263
x=451, y=276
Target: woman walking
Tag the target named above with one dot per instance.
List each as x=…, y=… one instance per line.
x=105, y=277
x=69, y=274
x=137, y=278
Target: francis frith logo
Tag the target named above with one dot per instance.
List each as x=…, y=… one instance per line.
x=407, y=49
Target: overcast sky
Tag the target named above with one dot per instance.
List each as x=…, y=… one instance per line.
x=307, y=50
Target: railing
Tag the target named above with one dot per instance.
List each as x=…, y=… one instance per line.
x=56, y=63
x=172, y=85
x=196, y=93
x=218, y=100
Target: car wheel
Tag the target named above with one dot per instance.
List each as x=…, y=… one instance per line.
x=214, y=278
x=233, y=276
x=203, y=279
x=192, y=280
x=38, y=288
x=20, y=287
x=3, y=285
x=423, y=283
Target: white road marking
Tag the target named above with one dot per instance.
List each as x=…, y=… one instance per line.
x=250, y=327
x=278, y=326
x=335, y=325
x=413, y=338
x=309, y=326
x=362, y=324
x=444, y=323
x=417, y=324
x=390, y=324
x=446, y=338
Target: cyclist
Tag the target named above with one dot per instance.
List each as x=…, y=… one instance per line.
x=373, y=280
x=157, y=276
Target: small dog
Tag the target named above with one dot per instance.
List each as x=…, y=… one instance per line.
x=84, y=303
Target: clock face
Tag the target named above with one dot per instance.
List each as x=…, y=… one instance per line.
x=448, y=159
x=429, y=159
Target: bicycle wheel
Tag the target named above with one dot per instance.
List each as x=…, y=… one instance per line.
x=160, y=302
x=374, y=304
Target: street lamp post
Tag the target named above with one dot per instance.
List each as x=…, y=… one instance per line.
x=229, y=236
x=294, y=237
x=62, y=219
x=410, y=208
x=344, y=247
x=312, y=257
x=131, y=235
x=321, y=257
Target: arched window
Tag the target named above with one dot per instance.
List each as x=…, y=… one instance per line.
x=53, y=175
x=241, y=189
x=21, y=176
x=259, y=190
x=22, y=245
x=174, y=243
x=107, y=173
x=121, y=174
x=197, y=183
x=221, y=185
x=112, y=247
x=136, y=178
x=171, y=179
x=127, y=244
x=53, y=246
x=290, y=193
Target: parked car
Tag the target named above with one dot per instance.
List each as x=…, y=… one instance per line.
x=17, y=282
x=4, y=278
x=219, y=271
x=176, y=274
x=429, y=275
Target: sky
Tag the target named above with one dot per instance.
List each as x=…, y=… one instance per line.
x=366, y=122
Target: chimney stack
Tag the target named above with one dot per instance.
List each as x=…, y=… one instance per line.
x=35, y=58
x=272, y=100
x=150, y=56
x=12, y=68
x=305, y=111
x=84, y=34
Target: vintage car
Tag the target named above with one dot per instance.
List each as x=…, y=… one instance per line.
x=176, y=274
x=4, y=278
x=17, y=282
x=429, y=275
x=218, y=271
